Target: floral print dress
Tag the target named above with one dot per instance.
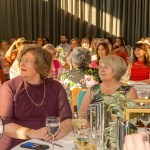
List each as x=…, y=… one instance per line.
x=81, y=77
x=97, y=96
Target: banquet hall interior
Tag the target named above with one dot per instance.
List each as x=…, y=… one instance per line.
x=75, y=74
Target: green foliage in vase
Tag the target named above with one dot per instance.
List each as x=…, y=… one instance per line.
x=116, y=104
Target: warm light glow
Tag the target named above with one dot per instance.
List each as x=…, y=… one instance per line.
x=69, y=7
x=86, y=12
x=116, y=26
x=93, y=16
x=107, y=22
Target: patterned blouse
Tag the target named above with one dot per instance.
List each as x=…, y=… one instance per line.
x=96, y=94
x=79, y=77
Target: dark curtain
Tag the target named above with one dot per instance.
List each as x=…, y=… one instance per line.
x=75, y=18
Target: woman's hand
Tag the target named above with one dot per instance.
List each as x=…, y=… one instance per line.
x=136, y=142
x=41, y=133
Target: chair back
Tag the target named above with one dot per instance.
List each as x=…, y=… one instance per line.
x=75, y=92
x=80, y=98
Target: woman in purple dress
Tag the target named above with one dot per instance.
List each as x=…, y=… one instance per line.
x=28, y=99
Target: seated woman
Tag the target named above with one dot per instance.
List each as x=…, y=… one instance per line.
x=75, y=42
x=101, y=51
x=3, y=61
x=119, y=48
x=81, y=75
x=139, y=68
x=28, y=99
x=55, y=63
x=12, y=52
x=85, y=43
x=111, y=69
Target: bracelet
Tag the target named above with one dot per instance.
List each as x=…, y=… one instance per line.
x=27, y=133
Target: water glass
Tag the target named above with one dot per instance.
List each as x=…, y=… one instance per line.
x=98, y=139
x=1, y=128
x=145, y=119
x=53, y=125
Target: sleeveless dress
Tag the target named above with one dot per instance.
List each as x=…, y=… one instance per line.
x=139, y=71
x=97, y=96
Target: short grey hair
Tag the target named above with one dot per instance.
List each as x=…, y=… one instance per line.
x=80, y=56
x=49, y=46
x=117, y=63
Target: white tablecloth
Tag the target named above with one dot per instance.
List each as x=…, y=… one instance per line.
x=67, y=143
x=140, y=86
x=143, y=89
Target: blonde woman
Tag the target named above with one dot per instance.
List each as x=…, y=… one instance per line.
x=111, y=69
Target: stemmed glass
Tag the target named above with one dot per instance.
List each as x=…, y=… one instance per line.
x=145, y=119
x=53, y=125
x=82, y=139
x=79, y=121
x=1, y=128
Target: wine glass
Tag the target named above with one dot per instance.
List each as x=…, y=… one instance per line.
x=79, y=121
x=1, y=128
x=82, y=139
x=145, y=119
x=53, y=125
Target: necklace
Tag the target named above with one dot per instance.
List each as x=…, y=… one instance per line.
x=33, y=100
x=110, y=88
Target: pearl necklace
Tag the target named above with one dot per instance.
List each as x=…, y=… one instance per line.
x=111, y=88
x=32, y=99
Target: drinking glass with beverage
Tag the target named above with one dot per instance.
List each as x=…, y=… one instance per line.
x=82, y=139
x=1, y=128
x=145, y=119
x=79, y=121
x=53, y=125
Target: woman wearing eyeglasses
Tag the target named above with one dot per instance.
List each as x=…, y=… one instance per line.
x=28, y=99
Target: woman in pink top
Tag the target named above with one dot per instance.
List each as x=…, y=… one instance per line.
x=56, y=64
x=102, y=50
